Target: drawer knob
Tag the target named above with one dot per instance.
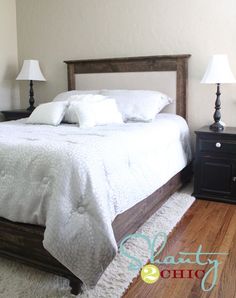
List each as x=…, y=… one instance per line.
x=234, y=179
x=218, y=145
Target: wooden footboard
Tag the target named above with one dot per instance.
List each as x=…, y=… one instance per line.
x=23, y=242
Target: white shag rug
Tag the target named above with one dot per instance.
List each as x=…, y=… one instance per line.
x=19, y=281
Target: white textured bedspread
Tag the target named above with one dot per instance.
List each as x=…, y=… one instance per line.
x=75, y=181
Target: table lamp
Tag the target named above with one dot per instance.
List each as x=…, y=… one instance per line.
x=218, y=72
x=31, y=72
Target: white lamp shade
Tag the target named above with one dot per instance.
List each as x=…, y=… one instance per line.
x=31, y=71
x=218, y=71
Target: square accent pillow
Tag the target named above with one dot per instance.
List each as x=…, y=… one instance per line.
x=70, y=115
x=90, y=114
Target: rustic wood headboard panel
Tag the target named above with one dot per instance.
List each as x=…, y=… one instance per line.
x=178, y=63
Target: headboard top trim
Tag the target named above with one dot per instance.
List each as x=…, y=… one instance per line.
x=127, y=59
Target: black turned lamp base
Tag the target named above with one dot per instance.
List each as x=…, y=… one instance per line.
x=216, y=127
x=31, y=98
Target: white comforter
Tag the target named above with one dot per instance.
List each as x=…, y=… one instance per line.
x=75, y=181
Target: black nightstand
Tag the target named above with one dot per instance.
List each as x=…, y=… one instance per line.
x=16, y=114
x=215, y=165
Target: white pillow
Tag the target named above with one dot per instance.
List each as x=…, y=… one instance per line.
x=48, y=113
x=65, y=95
x=138, y=105
x=70, y=115
x=103, y=112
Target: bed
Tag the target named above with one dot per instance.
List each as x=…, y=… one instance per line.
x=24, y=242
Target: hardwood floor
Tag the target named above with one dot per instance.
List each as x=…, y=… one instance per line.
x=213, y=225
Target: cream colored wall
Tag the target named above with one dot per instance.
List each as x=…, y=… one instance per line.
x=9, y=90
x=55, y=30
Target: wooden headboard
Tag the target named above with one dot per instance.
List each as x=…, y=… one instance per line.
x=178, y=63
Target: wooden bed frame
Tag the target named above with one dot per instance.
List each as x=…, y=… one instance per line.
x=23, y=242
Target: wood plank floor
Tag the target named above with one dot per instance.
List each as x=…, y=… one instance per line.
x=211, y=224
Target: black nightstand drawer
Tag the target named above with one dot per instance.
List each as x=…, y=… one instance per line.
x=217, y=145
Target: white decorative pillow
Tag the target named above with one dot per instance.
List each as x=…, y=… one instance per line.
x=138, y=105
x=90, y=114
x=64, y=96
x=70, y=115
x=50, y=113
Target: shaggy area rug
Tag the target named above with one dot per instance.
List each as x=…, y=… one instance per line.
x=19, y=281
